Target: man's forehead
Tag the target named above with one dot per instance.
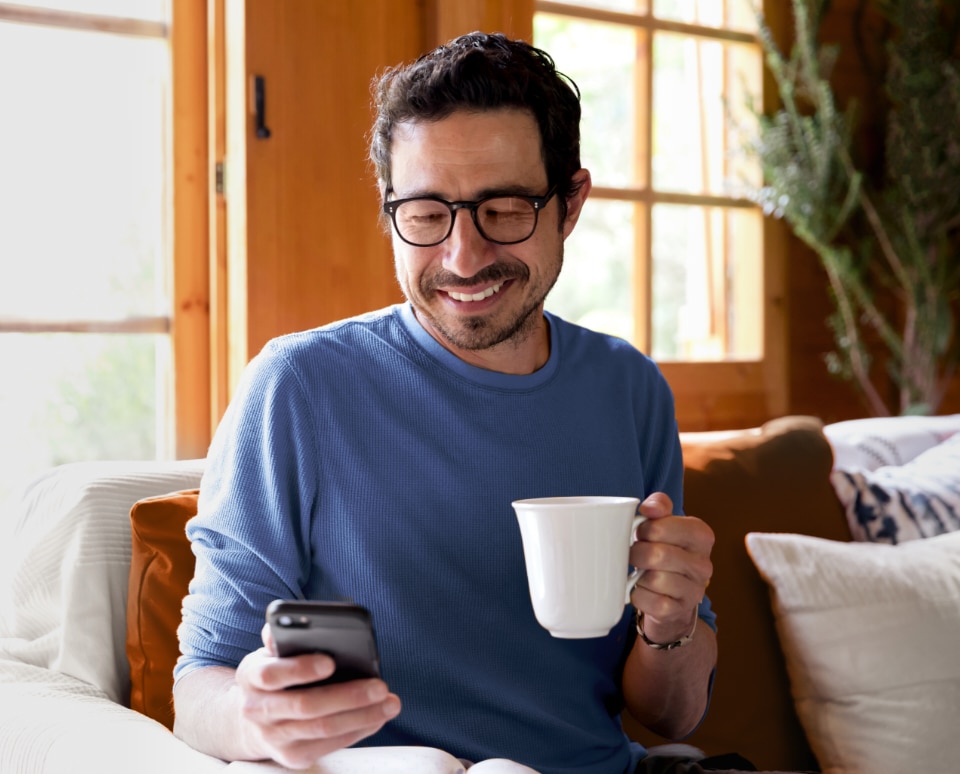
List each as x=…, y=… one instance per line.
x=492, y=148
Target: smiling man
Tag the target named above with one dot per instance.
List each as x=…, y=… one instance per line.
x=478, y=284
x=376, y=460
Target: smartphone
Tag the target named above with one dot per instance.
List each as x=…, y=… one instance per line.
x=342, y=630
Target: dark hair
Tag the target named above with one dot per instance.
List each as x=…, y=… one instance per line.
x=478, y=72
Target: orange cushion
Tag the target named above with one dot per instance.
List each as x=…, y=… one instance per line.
x=161, y=567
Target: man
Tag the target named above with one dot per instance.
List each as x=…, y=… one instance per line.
x=376, y=460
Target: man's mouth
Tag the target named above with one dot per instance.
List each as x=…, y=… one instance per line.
x=475, y=296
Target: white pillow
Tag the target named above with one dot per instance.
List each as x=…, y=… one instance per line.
x=896, y=503
x=871, y=443
x=871, y=636
x=65, y=597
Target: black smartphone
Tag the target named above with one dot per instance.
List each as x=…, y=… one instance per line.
x=342, y=630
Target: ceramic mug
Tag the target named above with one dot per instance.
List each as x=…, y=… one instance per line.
x=577, y=555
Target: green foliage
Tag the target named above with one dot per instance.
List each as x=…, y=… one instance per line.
x=887, y=235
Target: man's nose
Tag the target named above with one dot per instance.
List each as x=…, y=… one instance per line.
x=466, y=251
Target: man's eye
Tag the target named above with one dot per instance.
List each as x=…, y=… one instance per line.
x=506, y=211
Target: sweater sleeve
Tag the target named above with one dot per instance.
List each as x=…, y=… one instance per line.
x=251, y=535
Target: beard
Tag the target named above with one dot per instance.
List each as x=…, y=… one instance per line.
x=479, y=332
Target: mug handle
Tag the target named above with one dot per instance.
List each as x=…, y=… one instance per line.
x=634, y=577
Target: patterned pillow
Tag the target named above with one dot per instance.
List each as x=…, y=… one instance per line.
x=897, y=503
x=871, y=443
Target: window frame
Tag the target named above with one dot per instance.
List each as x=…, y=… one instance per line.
x=742, y=392
x=188, y=415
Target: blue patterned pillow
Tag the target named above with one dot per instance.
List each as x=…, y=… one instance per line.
x=896, y=503
x=873, y=442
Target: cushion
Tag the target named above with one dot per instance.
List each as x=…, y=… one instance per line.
x=161, y=567
x=871, y=443
x=896, y=503
x=870, y=634
x=776, y=478
x=70, y=547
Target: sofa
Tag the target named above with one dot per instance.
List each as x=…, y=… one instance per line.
x=836, y=654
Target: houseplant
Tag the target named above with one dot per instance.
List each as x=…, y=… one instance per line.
x=885, y=226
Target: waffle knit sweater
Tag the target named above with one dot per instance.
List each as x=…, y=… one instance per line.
x=362, y=461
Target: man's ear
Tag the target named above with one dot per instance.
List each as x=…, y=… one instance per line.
x=575, y=203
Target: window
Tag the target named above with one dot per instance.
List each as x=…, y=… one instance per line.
x=665, y=255
x=86, y=242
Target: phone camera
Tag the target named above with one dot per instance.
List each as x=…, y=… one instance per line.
x=293, y=622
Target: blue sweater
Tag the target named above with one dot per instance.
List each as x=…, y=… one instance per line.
x=362, y=461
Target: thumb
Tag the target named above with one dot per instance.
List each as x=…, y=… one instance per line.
x=656, y=506
x=266, y=634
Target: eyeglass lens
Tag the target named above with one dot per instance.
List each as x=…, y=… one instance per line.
x=503, y=219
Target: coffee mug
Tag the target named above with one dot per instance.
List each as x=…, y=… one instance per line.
x=577, y=555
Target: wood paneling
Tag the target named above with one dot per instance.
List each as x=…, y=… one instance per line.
x=190, y=229
x=446, y=19
x=304, y=242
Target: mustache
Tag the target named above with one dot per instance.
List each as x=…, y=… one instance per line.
x=495, y=272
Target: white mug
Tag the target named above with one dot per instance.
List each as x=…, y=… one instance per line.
x=577, y=553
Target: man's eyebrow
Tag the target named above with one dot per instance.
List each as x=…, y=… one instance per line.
x=510, y=190
x=484, y=193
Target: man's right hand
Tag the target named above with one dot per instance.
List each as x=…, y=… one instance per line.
x=264, y=720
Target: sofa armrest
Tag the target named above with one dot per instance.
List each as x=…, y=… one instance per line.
x=51, y=723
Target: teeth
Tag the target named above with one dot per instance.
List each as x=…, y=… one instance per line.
x=475, y=296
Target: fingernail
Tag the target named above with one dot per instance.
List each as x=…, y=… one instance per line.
x=391, y=707
x=377, y=692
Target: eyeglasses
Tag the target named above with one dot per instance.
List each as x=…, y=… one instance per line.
x=425, y=221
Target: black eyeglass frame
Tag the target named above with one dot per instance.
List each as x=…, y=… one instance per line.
x=539, y=202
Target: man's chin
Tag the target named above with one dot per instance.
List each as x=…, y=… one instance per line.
x=476, y=333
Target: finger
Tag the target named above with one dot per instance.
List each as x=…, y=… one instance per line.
x=264, y=671
x=686, y=532
x=317, y=701
x=266, y=634
x=293, y=725
x=656, y=506
x=662, y=608
x=659, y=557
x=305, y=753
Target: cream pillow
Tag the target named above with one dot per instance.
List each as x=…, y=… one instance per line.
x=871, y=636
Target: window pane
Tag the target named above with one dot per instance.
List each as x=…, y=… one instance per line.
x=595, y=288
x=76, y=397
x=732, y=14
x=82, y=155
x=692, y=136
x=601, y=58
x=148, y=10
x=707, y=292
x=627, y=6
